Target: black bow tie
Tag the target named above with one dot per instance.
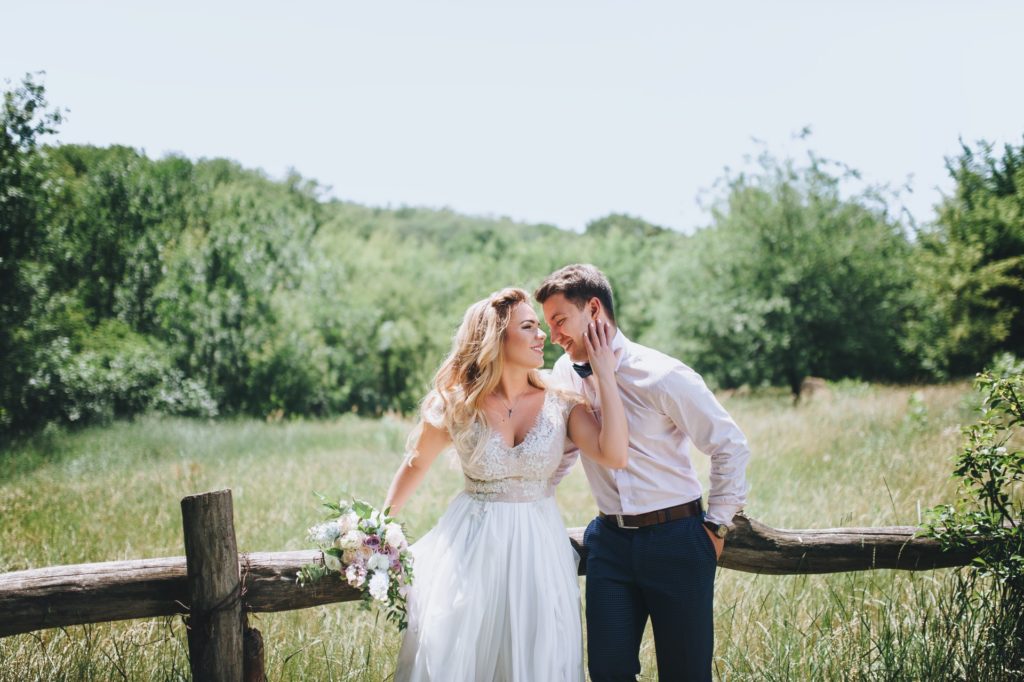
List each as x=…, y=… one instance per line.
x=583, y=369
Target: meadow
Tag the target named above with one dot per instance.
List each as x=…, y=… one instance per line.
x=866, y=455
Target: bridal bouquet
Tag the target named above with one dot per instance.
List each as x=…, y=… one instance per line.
x=368, y=549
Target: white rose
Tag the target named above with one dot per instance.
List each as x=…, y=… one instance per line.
x=332, y=562
x=352, y=539
x=347, y=522
x=378, y=562
x=394, y=536
x=379, y=586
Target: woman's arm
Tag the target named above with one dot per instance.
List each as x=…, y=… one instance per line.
x=607, y=442
x=429, y=443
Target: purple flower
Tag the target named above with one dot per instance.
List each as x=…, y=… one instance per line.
x=372, y=541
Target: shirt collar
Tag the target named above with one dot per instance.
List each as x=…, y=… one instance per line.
x=620, y=346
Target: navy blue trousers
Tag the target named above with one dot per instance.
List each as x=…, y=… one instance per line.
x=664, y=572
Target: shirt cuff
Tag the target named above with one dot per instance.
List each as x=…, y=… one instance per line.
x=722, y=513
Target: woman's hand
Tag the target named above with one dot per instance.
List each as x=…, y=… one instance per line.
x=597, y=340
x=605, y=442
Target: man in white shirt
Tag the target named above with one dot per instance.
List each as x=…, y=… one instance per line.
x=652, y=550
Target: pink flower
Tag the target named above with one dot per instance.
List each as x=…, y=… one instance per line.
x=356, y=575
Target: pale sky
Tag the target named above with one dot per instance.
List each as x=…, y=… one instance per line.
x=556, y=112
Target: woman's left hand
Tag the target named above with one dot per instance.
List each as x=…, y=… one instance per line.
x=598, y=341
x=604, y=441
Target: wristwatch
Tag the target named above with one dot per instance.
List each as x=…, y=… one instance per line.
x=719, y=530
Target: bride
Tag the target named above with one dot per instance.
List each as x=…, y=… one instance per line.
x=495, y=595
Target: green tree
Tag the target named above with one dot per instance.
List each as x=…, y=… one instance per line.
x=114, y=214
x=970, y=266
x=24, y=124
x=792, y=279
x=248, y=240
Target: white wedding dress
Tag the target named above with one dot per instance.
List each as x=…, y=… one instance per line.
x=495, y=594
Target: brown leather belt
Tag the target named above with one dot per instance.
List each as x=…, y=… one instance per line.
x=655, y=517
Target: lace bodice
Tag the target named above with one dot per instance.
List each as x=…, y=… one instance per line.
x=494, y=471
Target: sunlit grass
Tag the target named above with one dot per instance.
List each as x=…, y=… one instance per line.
x=869, y=455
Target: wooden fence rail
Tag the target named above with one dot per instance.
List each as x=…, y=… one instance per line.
x=58, y=596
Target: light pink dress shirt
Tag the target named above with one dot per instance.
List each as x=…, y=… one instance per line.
x=668, y=407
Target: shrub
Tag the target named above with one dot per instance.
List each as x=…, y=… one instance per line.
x=987, y=515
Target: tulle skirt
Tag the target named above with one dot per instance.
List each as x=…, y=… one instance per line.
x=495, y=597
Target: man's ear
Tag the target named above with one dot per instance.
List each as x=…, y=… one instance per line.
x=595, y=307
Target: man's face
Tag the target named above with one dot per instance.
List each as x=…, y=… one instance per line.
x=567, y=323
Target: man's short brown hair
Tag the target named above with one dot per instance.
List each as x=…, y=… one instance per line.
x=578, y=283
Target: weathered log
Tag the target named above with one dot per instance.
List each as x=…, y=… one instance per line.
x=271, y=582
x=214, y=586
x=756, y=548
x=753, y=547
x=89, y=593
x=57, y=596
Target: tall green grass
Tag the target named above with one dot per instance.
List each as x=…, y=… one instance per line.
x=867, y=455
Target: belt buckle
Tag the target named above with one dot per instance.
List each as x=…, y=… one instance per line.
x=618, y=520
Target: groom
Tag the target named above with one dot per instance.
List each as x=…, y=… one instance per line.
x=652, y=551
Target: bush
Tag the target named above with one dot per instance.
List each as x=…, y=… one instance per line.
x=987, y=516
x=109, y=372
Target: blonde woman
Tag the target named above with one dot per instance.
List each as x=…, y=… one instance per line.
x=495, y=594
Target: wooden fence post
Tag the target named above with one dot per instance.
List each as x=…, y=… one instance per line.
x=214, y=587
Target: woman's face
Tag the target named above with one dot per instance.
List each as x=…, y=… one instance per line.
x=524, y=339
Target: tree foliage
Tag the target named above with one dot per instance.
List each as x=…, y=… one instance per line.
x=792, y=279
x=970, y=266
x=24, y=124
x=130, y=284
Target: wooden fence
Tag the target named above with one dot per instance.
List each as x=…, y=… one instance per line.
x=214, y=586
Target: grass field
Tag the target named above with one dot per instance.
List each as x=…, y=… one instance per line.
x=869, y=455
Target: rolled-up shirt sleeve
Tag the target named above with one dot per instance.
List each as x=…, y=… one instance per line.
x=693, y=408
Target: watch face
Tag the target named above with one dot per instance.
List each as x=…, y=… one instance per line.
x=719, y=529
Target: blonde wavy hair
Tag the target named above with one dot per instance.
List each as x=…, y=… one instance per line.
x=471, y=372
x=473, y=368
